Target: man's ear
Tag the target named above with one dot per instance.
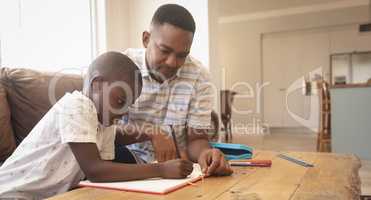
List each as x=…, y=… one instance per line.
x=145, y=38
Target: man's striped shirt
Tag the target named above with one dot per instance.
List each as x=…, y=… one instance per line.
x=185, y=100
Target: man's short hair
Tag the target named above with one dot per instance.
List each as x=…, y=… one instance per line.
x=175, y=15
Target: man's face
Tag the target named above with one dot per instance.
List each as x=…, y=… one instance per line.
x=167, y=47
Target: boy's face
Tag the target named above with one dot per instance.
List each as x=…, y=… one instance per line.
x=112, y=99
x=117, y=104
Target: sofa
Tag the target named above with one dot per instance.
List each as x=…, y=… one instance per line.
x=24, y=99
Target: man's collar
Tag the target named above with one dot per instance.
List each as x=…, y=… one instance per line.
x=144, y=69
x=146, y=72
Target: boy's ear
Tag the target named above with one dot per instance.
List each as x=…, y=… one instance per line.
x=145, y=38
x=96, y=83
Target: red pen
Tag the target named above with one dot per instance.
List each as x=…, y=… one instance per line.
x=251, y=163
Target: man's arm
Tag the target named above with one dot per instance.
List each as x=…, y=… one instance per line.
x=212, y=160
x=197, y=141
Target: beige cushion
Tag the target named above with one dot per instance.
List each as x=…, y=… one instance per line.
x=7, y=142
x=29, y=96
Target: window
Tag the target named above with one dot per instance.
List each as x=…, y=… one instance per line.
x=46, y=34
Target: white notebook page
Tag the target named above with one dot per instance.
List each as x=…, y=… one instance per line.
x=154, y=185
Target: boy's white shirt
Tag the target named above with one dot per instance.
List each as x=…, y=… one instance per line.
x=43, y=164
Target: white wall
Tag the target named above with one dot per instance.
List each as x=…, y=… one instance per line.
x=215, y=69
x=240, y=42
x=118, y=25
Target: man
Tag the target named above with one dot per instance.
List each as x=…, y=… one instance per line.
x=176, y=96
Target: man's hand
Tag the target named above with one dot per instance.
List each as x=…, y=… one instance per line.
x=163, y=146
x=212, y=162
x=176, y=168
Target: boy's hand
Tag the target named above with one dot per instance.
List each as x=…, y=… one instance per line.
x=176, y=168
x=212, y=162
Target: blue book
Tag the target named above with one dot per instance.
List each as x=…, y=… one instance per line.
x=234, y=151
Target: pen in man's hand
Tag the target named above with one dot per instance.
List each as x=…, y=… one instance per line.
x=175, y=142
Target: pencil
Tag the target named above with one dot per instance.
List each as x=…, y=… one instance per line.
x=175, y=142
x=295, y=160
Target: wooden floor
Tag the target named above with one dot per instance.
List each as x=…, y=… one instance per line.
x=297, y=140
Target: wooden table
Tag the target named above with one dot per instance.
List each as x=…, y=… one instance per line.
x=333, y=177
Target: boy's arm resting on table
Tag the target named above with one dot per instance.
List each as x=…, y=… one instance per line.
x=98, y=170
x=211, y=160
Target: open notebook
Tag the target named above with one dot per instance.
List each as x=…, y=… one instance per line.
x=152, y=186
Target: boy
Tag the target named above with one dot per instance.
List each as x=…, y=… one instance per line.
x=75, y=139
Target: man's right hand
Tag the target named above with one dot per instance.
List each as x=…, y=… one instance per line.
x=175, y=169
x=163, y=146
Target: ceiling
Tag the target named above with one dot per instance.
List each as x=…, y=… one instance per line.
x=237, y=7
